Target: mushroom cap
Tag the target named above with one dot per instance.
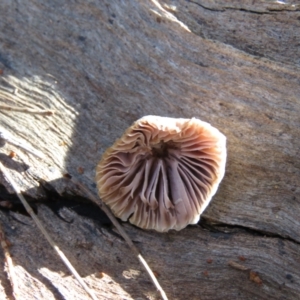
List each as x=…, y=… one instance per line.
x=162, y=173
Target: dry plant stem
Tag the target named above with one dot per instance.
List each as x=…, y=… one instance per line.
x=43, y=112
x=9, y=265
x=237, y=266
x=124, y=235
x=45, y=233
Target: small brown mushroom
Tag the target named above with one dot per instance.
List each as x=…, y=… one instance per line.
x=162, y=173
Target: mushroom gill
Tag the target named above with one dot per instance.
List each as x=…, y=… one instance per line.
x=162, y=173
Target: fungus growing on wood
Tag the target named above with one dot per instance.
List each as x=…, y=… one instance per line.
x=162, y=173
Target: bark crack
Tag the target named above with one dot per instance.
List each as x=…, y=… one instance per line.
x=270, y=11
x=234, y=228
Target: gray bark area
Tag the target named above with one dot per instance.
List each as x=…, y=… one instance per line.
x=101, y=65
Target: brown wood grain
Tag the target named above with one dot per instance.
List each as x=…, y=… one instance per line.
x=101, y=66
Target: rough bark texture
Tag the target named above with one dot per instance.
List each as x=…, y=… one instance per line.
x=103, y=64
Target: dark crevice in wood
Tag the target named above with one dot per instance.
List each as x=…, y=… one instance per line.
x=225, y=8
x=83, y=207
x=233, y=229
x=205, y=7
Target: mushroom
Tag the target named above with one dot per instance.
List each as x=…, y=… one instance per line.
x=162, y=173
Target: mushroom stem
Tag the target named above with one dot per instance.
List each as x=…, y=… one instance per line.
x=160, y=150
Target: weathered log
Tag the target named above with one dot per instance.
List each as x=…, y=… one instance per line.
x=101, y=66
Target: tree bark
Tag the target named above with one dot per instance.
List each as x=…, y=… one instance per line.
x=101, y=65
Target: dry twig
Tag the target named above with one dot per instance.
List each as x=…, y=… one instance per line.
x=98, y=201
x=237, y=266
x=43, y=230
x=9, y=264
x=8, y=138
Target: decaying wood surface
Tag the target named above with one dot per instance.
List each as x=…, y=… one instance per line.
x=100, y=65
